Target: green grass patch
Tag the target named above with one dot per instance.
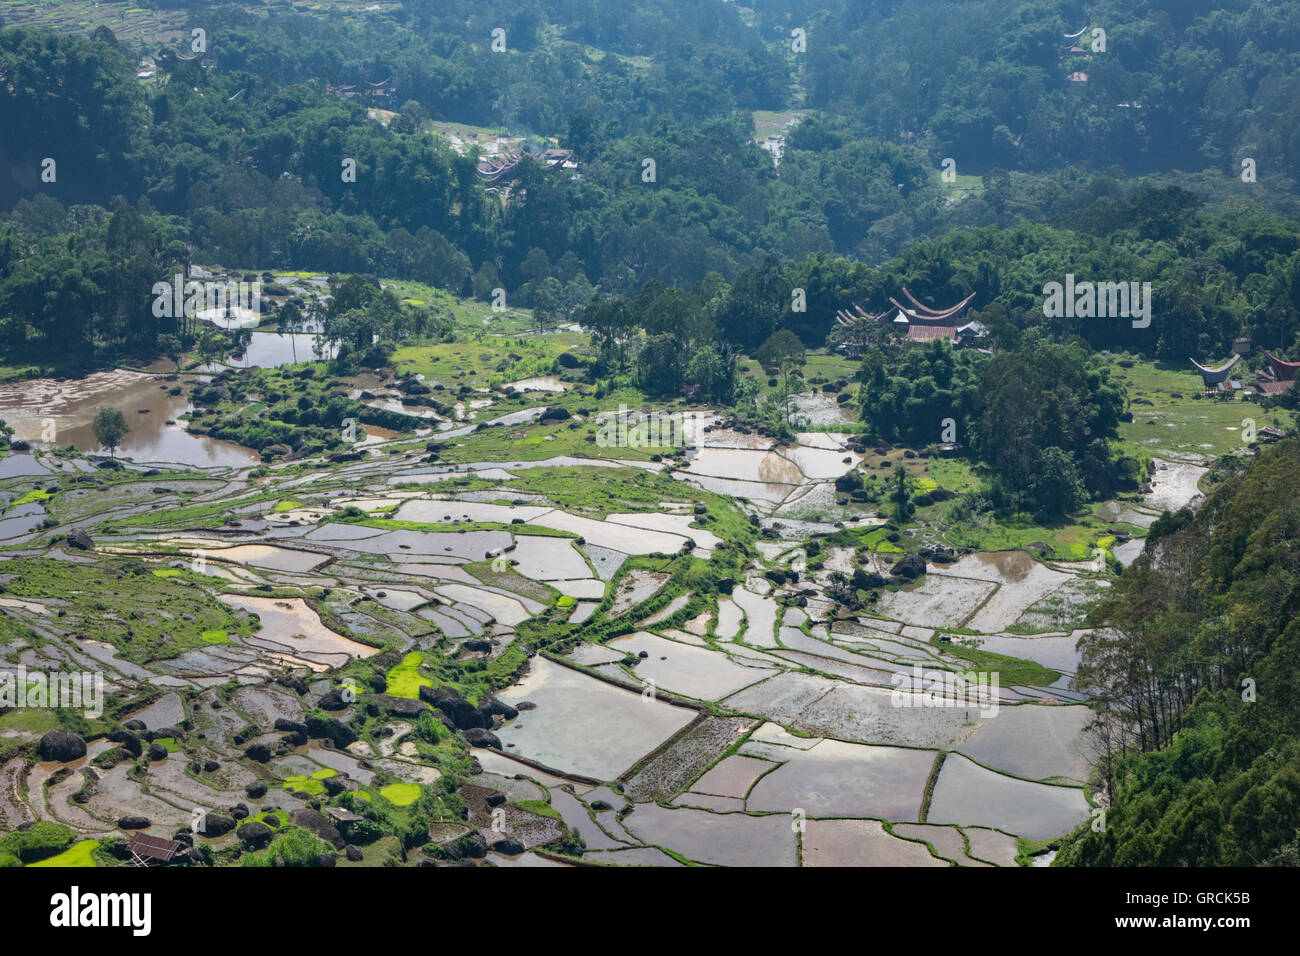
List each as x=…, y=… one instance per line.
x=120, y=601
x=308, y=784
x=405, y=679
x=28, y=720
x=401, y=794
x=1068, y=542
x=78, y=855
x=874, y=539
x=540, y=807
x=954, y=474
x=493, y=360
x=1010, y=670
x=392, y=524
x=1188, y=423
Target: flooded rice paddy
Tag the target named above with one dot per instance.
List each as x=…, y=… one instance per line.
x=663, y=717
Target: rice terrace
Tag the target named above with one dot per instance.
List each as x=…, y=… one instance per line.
x=585, y=435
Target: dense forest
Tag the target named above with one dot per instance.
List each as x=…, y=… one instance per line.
x=1180, y=84
x=1197, y=678
x=240, y=164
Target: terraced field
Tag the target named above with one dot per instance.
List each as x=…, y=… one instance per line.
x=646, y=659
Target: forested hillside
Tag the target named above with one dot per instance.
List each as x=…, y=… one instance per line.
x=1199, y=676
x=240, y=163
x=1181, y=84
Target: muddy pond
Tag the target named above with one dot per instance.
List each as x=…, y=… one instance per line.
x=54, y=412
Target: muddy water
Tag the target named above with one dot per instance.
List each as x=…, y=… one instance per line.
x=1013, y=566
x=746, y=465
x=543, y=383
x=71, y=406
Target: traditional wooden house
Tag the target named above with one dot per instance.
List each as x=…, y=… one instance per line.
x=916, y=321
x=922, y=323
x=1216, y=378
x=1276, y=376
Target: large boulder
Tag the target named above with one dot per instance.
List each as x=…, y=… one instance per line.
x=911, y=566
x=333, y=729
x=866, y=580
x=61, y=746
x=334, y=700
x=259, y=752
x=128, y=742
x=938, y=554
x=398, y=706
x=157, y=752
x=319, y=824
x=297, y=732
x=461, y=712
x=336, y=784
x=478, y=737
x=507, y=846
x=79, y=539
x=490, y=707
x=255, y=790
x=470, y=846
x=214, y=825
x=133, y=823
x=294, y=683
x=255, y=834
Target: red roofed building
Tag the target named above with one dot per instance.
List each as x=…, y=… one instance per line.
x=1276, y=376
x=1282, y=370
x=921, y=323
x=927, y=333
